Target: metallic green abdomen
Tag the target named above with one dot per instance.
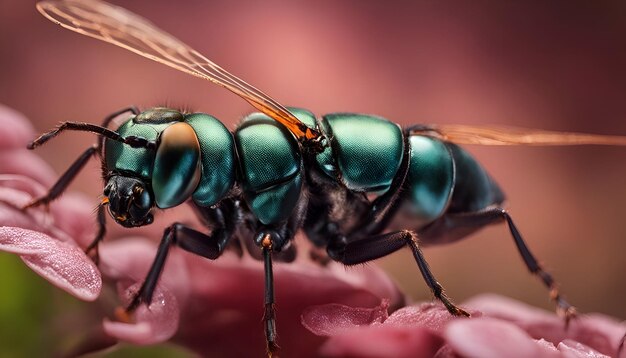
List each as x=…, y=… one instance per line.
x=270, y=166
x=430, y=179
x=366, y=151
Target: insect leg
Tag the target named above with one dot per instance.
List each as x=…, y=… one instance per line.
x=92, y=250
x=269, y=313
x=360, y=250
x=66, y=178
x=187, y=239
x=223, y=221
x=461, y=224
x=107, y=120
x=277, y=241
x=133, y=141
x=59, y=187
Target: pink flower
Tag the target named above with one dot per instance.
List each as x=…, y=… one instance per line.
x=212, y=307
x=499, y=327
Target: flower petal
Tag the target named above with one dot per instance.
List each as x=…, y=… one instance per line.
x=70, y=218
x=430, y=315
x=488, y=337
x=24, y=162
x=74, y=214
x=227, y=302
x=15, y=130
x=383, y=341
x=63, y=264
x=154, y=324
x=572, y=349
x=127, y=261
x=599, y=332
x=333, y=319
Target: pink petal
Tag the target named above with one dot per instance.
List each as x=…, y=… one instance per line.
x=599, y=332
x=430, y=315
x=371, y=279
x=17, y=191
x=227, y=302
x=128, y=260
x=63, y=264
x=572, y=349
x=510, y=309
x=15, y=130
x=27, y=163
x=488, y=337
x=23, y=184
x=154, y=324
x=75, y=214
x=333, y=319
x=548, y=346
x=383, y=341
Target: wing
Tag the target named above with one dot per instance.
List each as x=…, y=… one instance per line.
x=125, y=29
x=492, y=135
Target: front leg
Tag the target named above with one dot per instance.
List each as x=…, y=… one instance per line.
x=184, y=237
x=93, y=249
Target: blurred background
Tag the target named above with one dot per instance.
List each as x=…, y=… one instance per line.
x=556, y=65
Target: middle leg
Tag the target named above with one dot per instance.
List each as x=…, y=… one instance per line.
x=275, y=240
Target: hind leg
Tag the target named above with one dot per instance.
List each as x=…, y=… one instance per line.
x=452, y=227
x=360, y=250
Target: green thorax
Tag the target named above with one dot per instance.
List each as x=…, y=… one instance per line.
x=138, y=162
x=365, y=151
x=270, y=164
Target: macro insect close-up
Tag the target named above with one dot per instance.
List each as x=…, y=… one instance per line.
x=232, y=234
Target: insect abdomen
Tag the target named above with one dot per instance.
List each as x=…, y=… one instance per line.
x=474, y=189
x=366, y=152
x=430, y=180
x=443, y=179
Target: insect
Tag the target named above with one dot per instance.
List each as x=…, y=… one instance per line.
x=357, y=185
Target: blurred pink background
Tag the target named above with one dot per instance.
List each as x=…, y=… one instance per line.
x=558, y=66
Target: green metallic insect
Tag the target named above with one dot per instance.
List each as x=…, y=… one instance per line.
x=357, y=185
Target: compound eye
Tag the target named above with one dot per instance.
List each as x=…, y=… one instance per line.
x=177, y=169
x=141, y=198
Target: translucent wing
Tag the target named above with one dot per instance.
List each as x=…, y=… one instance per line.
x=492, y=135
x=123, y=28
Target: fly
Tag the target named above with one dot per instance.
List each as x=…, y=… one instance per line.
x=351, y=182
